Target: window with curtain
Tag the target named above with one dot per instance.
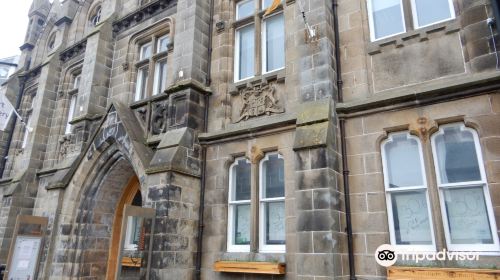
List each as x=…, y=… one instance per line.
x=271, y=39
x=152, y=67
x=466, y=206
x=407, y=199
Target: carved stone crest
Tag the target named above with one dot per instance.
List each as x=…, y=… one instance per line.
x=159, y=118
x=259, y=100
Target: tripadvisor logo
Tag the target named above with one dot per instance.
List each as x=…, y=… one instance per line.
x=386, y=255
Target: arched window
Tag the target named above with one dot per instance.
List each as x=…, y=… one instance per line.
x=95, y=16
x=407, y=198
x=239, y=218
x=465, y=200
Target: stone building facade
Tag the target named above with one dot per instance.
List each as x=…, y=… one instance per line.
x=307, y=136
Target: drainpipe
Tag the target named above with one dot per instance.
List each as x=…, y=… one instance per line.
x=22, y=83
x=345, y=166
x=201, y=210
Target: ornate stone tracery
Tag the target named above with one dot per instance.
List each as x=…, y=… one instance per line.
x=259, y=100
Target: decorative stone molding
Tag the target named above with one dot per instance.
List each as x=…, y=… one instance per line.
x=65, y=146
x=259, y=100
x=73, y=51
x=256, y=154
x=159, y=118
x=142, y=14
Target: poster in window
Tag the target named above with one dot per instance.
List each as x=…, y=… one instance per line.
x=25, y=257
x=468, y=216
x=275, y=219
x=411, y=218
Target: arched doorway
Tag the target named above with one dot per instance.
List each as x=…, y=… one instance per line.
x=130, y=264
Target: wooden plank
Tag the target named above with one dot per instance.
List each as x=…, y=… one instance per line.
x=131, y=262
x=250, y=267
x=428, y=273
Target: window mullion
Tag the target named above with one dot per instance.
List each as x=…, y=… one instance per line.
x=254, y=207
x=258, y=44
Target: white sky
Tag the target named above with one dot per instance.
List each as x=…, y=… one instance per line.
x=13, y=24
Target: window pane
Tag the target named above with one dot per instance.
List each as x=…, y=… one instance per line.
x=430, y=11
x=266, y=4
x=275, y=222
x=245, y=9
x=145, y=51
x=467, y=216
x=246, y=53
x=411, y=218
x=71, y=112
x=273, y=176
x=275, y=43
x=160, y=82
x=242, y=224
x=241, y=180
x=387, y=17
x=456, y=154
x=163, y=43
x=142, y=82
x=76, y=82
x=403, y=162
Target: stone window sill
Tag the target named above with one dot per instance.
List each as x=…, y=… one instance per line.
x=278, y=75
x=422, y=34
x=250, y=267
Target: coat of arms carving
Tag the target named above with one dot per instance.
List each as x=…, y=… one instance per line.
x=259, y=100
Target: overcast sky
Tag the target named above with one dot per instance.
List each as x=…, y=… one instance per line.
x=13, y=23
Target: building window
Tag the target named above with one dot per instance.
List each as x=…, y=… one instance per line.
x=73, y=101
x=271, y=204
x=239, y=218
x=152, y=58
x=52, y=41
x=95, y=16
x=272, y=40
x=134, y=231
x=465, y=201
x=407, y=198
x=428, y=12
x=387, y=17
x=27, y=128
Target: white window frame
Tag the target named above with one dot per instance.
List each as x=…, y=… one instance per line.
x=158, y=43
x=71, y=113
x=141, y=51
x=231, y=247
x=477, y=184
x=263, y=247
x=27, y=128
x=128, y=245
x=95, y=18
x=237, y=54
x=264, y=41
x=238, y=5
x=158, y=78
x=389, y=191
x=372, y=24
x=76, y=81
x=139, y=82
x=451, y=8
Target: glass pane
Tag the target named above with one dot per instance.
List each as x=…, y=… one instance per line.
x=467, y=216
x=163, y=43
x=411, y=218
x=403, y=162
x=142, y=83
x=76, y=82
x=242, y=224
x=245, y=9
x=160, y=82
x=275, y=43
x=246, y=54
x=387, y=17
x=241, y=180
x=273, y=176
x=145, y=51
x=275, y=223
x=136, y=226
x=267, y=3
x=430, y=11
x=456, y=154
